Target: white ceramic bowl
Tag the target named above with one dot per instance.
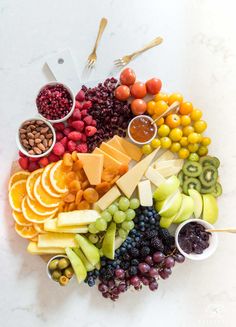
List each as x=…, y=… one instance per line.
x=58, y=256
x=72, y=97
x=23, y=150
x=142, y=143
x=213, y=241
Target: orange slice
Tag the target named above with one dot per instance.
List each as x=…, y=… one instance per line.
x=32, y=216
x=43, y=197
x=46, y=184
x=16, y=194
x=31, y=181
x=40, y=210
x=18, y=176
x=34, y=239
x=26, y=231
x=20, y=219
x=58, y=177
x=39, y=228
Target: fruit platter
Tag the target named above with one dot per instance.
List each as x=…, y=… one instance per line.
x=114, y=185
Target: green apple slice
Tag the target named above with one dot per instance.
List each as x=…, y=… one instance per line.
x=108, y=244
x=210, y=208
x=90, y=250
x=197, y=199
x=87, y=264
x=171, y=205
x=77, y=265
x=166, y=222
x=186, y=209
x=166, y=188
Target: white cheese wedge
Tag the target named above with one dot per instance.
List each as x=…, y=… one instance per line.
x=77, y=218
x=154, y=176
x=51, y=226
x=108, y=198
x=168, y=171
x=167, y=155
x=145, y=193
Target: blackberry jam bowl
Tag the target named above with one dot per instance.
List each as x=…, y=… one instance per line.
x=55, y=102
x=193, y=240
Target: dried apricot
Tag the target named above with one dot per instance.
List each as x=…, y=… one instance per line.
x=66, y=207
x=77, y=165
x=81, y=175
x=69, y=198
x=74, y=186
x=123, y=169
x=74, y=156
x=61, y=206
x=78, y=197
x=83, y=205
x=102, y=188
x=72, y=206
x=70, y=177
x=91, y=195
x=67, y=160
x=85, y=184
x=108, y=174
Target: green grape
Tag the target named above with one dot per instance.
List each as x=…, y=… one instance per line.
x=130, y=214
x=119, y=217
x=101, y=224
x=193, y=157
x=107, y=216
x=134, y=203
x=127, y=225
x=123, y=203
x=93, y=238
x=112, y=209
x=122, y=233
x=92, y=229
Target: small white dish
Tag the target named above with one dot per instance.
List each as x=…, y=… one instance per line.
x=24, y=151
x=58, y=256
x=213, y=241
x=130, y=136
x=72, y=97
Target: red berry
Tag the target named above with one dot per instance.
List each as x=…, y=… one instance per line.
x=84, y=138
x=43, y=162
x=67, y=130
x=59, y=126
x=90, y=130
x=53, y=158
x=24, y=163
x=33, y=166
x=64, y=141
x=69, y=121
x=74, y=136
x=21, y=154
x=78, y=125
x=93, y=123
x=59, y=136
x=88, y=120
x=71, y=146
x=84, y=113
x=33, y=159
x=78, y=105
x=80, y=96
x=87, y=105
x=82, y=147
x=58, y=149
x=76, y=115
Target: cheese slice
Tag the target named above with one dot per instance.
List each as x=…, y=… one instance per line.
x=93, y=166
x=168, y=171
x=109, y=161
x=51, y=226
x=131, y=149
x=169, y=163
x=145, y=193
x=128, y=182
x=116, y=154
x=56, y=240
x=33, y=248
x=116, y=144
x=108, y=198
x=154, y=176
x=77, y=218
x=167, y=155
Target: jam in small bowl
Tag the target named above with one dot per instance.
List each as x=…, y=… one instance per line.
x=141, y=129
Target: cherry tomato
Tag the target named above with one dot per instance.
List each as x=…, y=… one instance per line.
x=193, y=147
x=160, y=121
x=127, y=76
x=122, y=92
x=153, y=85
x=150, y=107
x=206, y=141
x=196, y=114
x=188, y=130
x=138, y=106
x=165, y=142
x=163, y=130
x=186, y=108
x=147, y=149
x=202, y=151
x=172, y=120
x=155, y=143
x=160, y=107
x=184, y=141
x=176, y=134
x=193, y=138
x=138, y=90
x=200, y=126
x=185, y=120
x=183, y=153
x=175, y=97
x=161, y=96
x=175, y=147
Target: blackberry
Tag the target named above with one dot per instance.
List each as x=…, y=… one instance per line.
x=126, y=257
x=124, y=265
x=150, y=234
x=157, y=244
x=134, y=262
x=164, y=234
x=109, y=273
x=134, y=252
x=144, y=243
x=144, y=252
x=133, y=271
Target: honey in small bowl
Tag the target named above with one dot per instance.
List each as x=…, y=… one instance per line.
x=141, y=130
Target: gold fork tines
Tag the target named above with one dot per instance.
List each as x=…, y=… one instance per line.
x=126, y=59
x=92, y=58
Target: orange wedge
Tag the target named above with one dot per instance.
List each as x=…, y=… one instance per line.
x=58, y=177
x=31, y=181
x=40, y=210
x=16, y=194
x=26, y=231
x=18, y=176
x=46, y=184
x=20, y=219
x=32, y=216
x=43, y=197
x=39, y=228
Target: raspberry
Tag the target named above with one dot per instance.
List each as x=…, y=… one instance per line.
x=24, y=163
x=33, y=166
x=53, y=158
x=21, y=154
x=76, y=115
x=74, y=136
x=70, y=121
x=59, y=136
x=78, y=125
x=87, y=105
x=84, y=113
x=78, y=105
x=64, y=141
x=90, y=130
x=71, y=146
x=82, y=147
x=58, y=149
x=33, y=159
x=93, y=123
x=67, y=130
x=59, y=126
x=84, y=138
x=43, y=162
x=80, y=96
x=88, y=120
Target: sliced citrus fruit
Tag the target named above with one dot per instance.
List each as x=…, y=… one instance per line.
x=40, y=210
x=32, y=216
x=58, y=177
x=46, y=184
x=20, y=219
x=34, y=239
x=39, y=228
x=18, y=176
x=16, y=194
x=25, y=231
x=43, y=197
x=31, y=181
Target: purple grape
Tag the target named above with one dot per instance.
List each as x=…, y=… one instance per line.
x=163, y=274
x=122, y=287
x=169, y=262
x=115, y=291
x=145, y=280
x=158, y=257
x=179, y=258
x=106, y=295
x=149, y=260
x=153, y=272
x=111, y=283
x=102, y=288
x=143, y=267
x=153, y=286
x=135, y=281
x=120, y=273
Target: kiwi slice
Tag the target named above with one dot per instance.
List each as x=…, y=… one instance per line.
x=217, y=190
x=207, y=190
x=181, y=177
x=208, y=176
x=192, y=169
x=209, y=161
x=191, y=183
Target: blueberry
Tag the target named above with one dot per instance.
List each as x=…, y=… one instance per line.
x=152, y=221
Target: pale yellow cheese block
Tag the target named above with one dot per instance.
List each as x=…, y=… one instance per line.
x=116, y=144
x=109, y=161
x=116, y=154
x=108, y=198
x=33, y=248
x=145, y=193
x=167, y=155
x=93, y=166
x=131, y=149
x=77, y=218
x=154, y=176
x=128, y=182
x=168, y=171
x=51, y=226
x=56, y=240
x=169, y=163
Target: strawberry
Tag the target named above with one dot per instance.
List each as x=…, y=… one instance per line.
x=90, y=130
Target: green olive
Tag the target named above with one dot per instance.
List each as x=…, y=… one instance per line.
x=53, y=264
x=56, y=275
x=63, y=263
x=69, y=272
x=63, y=280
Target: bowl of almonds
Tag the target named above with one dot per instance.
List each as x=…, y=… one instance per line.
x=36, y=137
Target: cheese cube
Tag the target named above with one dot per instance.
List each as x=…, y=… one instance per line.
x=108, y=198
x=154, y=176
x=145, y=193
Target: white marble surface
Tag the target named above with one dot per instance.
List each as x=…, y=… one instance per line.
x=197, y=58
